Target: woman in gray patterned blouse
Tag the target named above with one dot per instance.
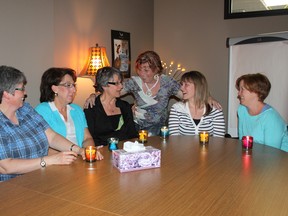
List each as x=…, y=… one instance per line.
x=152, y=91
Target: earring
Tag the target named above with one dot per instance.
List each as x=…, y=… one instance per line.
x=156, y=76
x=56, y=94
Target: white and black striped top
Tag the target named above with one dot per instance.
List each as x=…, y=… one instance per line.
x=181, y=122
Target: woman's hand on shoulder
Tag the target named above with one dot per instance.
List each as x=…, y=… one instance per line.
x=214, y=103
x=90, y=101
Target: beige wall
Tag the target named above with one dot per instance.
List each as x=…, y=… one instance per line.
x=80, y=24
x=38, y=34
x=26, y=39
x=194, y=33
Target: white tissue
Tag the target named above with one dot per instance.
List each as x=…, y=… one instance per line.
x=133, y=146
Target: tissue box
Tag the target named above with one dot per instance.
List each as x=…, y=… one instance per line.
x=131, y=161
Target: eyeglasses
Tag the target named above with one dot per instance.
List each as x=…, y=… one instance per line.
x=115, y=83
x=20, y=89
x=68, y=85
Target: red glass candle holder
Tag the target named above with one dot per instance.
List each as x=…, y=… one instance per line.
x=247, y=142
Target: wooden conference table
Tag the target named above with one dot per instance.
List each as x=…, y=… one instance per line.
x=193, y=180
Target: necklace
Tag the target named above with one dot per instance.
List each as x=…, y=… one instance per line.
x=149, y=90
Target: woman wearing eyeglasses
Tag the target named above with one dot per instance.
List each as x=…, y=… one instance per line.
x=58, y=90
x=152, y=91
x=25, y=136
x=110, y=117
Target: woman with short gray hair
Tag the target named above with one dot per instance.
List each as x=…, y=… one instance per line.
x=110, y=117
x=24, y=135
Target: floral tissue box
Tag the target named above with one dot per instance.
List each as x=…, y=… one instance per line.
x=131, y=161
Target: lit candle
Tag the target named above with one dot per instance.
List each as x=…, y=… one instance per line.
x=164, y=132
x=247, y=142
x=90, y=153
x=113, y=143
x=204, y=137
x=143, y=134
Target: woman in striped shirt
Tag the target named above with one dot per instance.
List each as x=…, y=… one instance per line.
x=195, y=114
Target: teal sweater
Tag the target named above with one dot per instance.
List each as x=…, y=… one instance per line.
x=55, y=121
x=267, y=128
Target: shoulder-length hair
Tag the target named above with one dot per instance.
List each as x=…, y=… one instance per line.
x=201, y=89
x=53, y=76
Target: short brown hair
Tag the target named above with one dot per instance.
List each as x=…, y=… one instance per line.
x=153, y=60
x=257, y=83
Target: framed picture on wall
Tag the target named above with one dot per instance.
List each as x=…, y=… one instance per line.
x=254, y=8
x=121, y=55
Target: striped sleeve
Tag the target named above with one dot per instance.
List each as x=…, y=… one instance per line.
x=218, y=123
x=173, y=122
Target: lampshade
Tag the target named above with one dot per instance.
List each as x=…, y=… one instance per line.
x=97, y=59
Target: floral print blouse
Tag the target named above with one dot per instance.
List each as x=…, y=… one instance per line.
x=151, y=111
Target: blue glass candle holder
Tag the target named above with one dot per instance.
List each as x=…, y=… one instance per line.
x=112, y=143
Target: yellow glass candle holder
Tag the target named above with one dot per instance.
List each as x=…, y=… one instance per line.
x=204, y=137
x=143, y=135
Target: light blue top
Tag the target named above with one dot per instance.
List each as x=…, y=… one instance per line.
x=267, y=128
x=55, y=121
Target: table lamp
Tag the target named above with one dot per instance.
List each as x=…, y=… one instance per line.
x=97, y=59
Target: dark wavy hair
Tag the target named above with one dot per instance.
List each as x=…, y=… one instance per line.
x=53, y=76
x=257, y=83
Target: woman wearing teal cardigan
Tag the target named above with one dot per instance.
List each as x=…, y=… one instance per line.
x=257, y=118
x=58, y=90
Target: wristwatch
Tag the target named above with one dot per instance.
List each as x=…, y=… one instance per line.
x=43, y=163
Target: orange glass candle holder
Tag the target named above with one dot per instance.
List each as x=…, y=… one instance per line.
x=204, y=137
x=90, y=153
x=143, y=135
